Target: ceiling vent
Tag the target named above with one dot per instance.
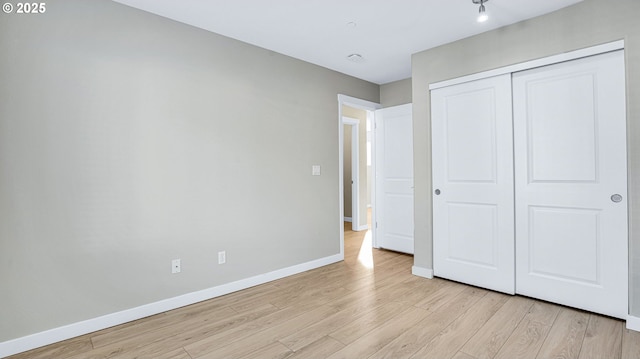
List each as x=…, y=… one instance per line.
x=357, y=58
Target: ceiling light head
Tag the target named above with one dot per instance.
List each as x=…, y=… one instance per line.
x=482, y=12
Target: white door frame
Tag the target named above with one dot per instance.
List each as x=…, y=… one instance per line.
x=355, y=170
x=369, y=107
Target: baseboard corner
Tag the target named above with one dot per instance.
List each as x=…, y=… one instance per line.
x=633, y=323
x=422, y=272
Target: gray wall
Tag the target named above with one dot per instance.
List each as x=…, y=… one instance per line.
x=346, y=171
x=127, y=140
x=396, y=93
x=588, y=23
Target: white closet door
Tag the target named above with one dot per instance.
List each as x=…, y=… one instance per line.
x=394, y=176
x=472, y=156
x=571, y=184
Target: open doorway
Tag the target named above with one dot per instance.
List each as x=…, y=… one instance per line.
x=357, y=202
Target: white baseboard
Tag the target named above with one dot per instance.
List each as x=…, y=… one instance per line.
x=422, y=272
x=348, y=219
x=362, y=228
x=51, y=336
x=633, y=323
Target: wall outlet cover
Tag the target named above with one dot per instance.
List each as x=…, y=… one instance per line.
x=176, y=266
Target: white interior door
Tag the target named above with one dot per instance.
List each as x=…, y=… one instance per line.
x=472, y=159
x=394, y=178
x=571, y=183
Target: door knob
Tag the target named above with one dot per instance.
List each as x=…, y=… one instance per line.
x=437, y=192
x=616, y=198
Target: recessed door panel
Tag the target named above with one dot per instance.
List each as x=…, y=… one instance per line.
x=481, y=224
x=478, y=132
x=564, y=244
x=571, y=184
x=398, y=223
x=553, y=154
x=472, y=156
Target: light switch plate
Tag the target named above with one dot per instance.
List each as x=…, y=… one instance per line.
x=176, y=266
x=315, y=170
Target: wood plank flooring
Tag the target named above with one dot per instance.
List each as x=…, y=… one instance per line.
x=369, y=306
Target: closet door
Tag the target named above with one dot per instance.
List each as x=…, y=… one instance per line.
x=571, y=184
x=472, y=158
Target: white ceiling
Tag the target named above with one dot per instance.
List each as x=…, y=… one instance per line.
x=386, y=32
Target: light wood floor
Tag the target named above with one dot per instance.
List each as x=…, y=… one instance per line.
x=351, y=310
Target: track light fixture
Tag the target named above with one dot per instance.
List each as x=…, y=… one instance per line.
x=482, y=12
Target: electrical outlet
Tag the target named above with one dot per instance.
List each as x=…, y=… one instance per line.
x=222, y=257
x=175, y=266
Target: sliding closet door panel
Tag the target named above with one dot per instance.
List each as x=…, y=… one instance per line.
x=571, y=183
x=473, y=183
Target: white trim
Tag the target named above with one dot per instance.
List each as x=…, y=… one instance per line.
x=422, y=272
x=361, y=228
x=633, y=323
x=37, y=340
x=350, y=121
x=358, y=103
x=567, y=56
x=371, y=118
x=348, y=219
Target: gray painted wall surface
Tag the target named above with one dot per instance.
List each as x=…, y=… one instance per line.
x=346, y=169
x=586, y=24
x=395, y=93
x=127, y=140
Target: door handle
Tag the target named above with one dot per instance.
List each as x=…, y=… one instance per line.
x=615, y=198
x=437, y=192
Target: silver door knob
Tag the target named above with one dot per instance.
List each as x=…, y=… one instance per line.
x=437, y=192
x=616, y=198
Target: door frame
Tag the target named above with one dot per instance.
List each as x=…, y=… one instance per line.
x=369, y=107
x=528, y=65
x=355, y=170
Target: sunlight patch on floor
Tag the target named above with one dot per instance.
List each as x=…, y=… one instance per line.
x=365, y=256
